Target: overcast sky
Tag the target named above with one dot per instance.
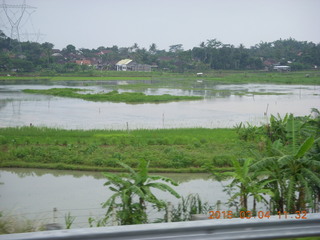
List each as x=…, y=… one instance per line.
x=94, y=23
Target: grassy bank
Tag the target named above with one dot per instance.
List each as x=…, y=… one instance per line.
x=168, y=150
x=113, y=96
x=311, y=77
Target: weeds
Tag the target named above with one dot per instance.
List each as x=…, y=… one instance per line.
x=69, y=220
x=11, y=224
x=113, y=96
x=172, y=150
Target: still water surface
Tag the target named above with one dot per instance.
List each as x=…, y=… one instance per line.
x=221, y=107
x=33, y=193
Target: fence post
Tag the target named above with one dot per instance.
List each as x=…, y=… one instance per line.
x=55, y=210
x=218, y=204
x=114, y=216
x=169, y=212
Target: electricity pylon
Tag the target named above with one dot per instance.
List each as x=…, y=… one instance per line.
x=14, y=14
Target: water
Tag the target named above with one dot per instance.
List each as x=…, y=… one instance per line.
x=34, y=193
x=221, y=107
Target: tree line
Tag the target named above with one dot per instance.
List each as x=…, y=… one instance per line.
x=210, y=54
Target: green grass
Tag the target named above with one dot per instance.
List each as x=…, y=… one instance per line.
x=113, y=96
x=266, y=77
x=216, y=76
x=168, y=150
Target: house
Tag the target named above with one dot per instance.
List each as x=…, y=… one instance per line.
x=84, y=62
x=130, y=65
x=103, y=52
x=123, y=64
x=282, y=68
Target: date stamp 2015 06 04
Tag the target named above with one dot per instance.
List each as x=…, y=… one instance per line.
x=259, y=215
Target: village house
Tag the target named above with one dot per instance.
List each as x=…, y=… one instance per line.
x=84, y=62
x=130, y=65
x=282, y=68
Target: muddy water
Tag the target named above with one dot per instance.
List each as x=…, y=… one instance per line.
x=222, y=106
x=34, y=193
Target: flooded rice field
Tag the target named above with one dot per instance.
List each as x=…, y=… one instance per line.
x=222, y=106
x=34, y=193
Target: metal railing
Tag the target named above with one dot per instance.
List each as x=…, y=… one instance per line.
x=253, y=228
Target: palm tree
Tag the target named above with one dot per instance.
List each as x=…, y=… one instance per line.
x=132, y=185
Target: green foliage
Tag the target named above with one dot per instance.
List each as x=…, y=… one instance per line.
x=292, y=166
x=289, y=170
x=3, y=140
x=248, y=132
x=99, y=150
x=192, y=204
x=211, y=54
x=132, y=191
x=113, y=96
x=12, y=224
x=69, y=220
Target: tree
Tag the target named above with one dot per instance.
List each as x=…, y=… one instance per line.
x=132, y=191
x=176, y=48
x=71, y=49
x=153, y=48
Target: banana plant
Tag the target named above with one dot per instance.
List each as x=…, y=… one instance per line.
x=292, y=168
x=132, y=191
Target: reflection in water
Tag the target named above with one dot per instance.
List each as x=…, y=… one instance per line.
x=4, y=102
x=33, y=193
x=29, y=172
x=222, y=106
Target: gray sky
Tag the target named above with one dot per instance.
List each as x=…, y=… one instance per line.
x=94, y=23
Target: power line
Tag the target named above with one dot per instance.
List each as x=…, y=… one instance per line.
x=15, y=14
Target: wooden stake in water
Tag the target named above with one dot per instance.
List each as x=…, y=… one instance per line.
x=169, y=212
x=266, y=112
x=163, y=120
x=55, y=210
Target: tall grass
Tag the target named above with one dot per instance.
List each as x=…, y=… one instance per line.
x=13, y=224
x=169, y=150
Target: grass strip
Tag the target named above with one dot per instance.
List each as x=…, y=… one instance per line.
x=113, y=96
x=168, y=150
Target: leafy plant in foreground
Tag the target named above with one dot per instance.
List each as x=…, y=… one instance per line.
x=189, y=205
x=292, y=169
x=132, y=191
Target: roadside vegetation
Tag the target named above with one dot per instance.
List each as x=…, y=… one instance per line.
x=113, y=96
x=279, y=161
x=288, y=171
x=132, y=194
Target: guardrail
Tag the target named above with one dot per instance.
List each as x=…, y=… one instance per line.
x=253, y=228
